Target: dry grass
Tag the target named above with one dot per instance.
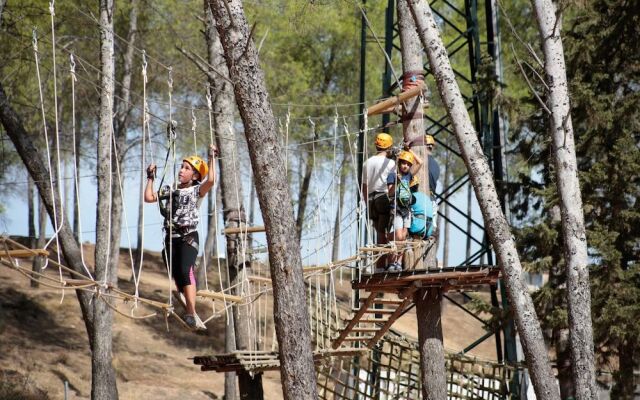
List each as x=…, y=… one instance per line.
x=44, y=342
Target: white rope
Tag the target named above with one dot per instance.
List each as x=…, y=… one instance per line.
x=55, y=112
x=72, y=71
x=194, y=124
x=46, y=140
x=145, y=121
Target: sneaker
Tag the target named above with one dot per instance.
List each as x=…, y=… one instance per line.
x=190, y=320
x=395, y=267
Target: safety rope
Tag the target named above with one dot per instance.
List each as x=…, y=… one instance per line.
x=46, y=134
x=72, y=71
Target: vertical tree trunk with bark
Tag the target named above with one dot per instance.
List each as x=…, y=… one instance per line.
x=32, y=228
x=104, y=385
x=428, y=303
x=573, y=231
x=38, y=262
x=76, y=187
x=290, y=311
x=432, y=368
x=496, y=224
x=335, y=249
x=232, y=204
x=304, y=190
x=446, y=226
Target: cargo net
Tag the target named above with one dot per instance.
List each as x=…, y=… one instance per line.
x=392, y=370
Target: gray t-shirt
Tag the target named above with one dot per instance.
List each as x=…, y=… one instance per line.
x=185, y=206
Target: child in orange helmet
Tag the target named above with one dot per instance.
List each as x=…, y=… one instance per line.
x=398, y=185
x=181, y=213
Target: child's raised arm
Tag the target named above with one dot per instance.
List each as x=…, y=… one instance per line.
x=149, y=194
x=417, y=163
x=211, y=176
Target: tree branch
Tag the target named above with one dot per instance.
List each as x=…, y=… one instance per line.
x=203, y=65
x=544, y=106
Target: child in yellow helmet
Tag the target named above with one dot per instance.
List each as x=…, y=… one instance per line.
x=181, y=213
x=398, y=186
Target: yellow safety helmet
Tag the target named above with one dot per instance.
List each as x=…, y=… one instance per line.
x=198, y=164
x=414, y=182
x=406, y=156
x=384, y=141
x=429, y=140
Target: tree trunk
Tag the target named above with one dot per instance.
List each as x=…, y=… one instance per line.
x=335, y=250
x=469, y=219
x=304, y=190
x=252, y=213
x=290, y=311
x=495, y=221
x=36, y=168
x=76, y=186
x=625, y=386
x=104, y=385
x=575, y=240
x=433, y=374
x=446, y=226
x=427, y=303
x=563, y=363
x=2, y=4
x=232, y=204
x=38, y=262
x=36, y=265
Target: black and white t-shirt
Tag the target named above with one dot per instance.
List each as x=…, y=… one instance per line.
x=185, y=205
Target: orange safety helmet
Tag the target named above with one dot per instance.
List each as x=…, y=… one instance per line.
x=384, y=141
x=429, y=140
x=406, y=156
x=198, y=164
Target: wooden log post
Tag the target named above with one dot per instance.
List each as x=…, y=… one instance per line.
x=427, y=303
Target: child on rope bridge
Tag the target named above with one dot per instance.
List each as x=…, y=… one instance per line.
x=398, y=185
x=180, y=210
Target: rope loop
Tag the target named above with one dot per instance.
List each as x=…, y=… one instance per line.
x=171, y=130
x=52, y=8
x=72, y=67
x=170, y=79
x=209, y=102
x=144, y=66
x=34, y=39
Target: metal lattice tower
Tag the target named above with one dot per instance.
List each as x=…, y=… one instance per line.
x=471, y=36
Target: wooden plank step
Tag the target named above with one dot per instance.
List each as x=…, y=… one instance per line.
x=243, y=229
x=219, y=296
x=384, y=301
x=352, y=323
x=363, y=330
x=367, y=320
x=378, y=310
x=24, y=253
x=357, y=338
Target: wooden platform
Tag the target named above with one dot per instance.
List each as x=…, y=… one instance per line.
x=447, y=279
x=261, y=360
x=382, y=286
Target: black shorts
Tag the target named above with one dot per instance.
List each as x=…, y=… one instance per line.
x=379, y=211
x=184, y=252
